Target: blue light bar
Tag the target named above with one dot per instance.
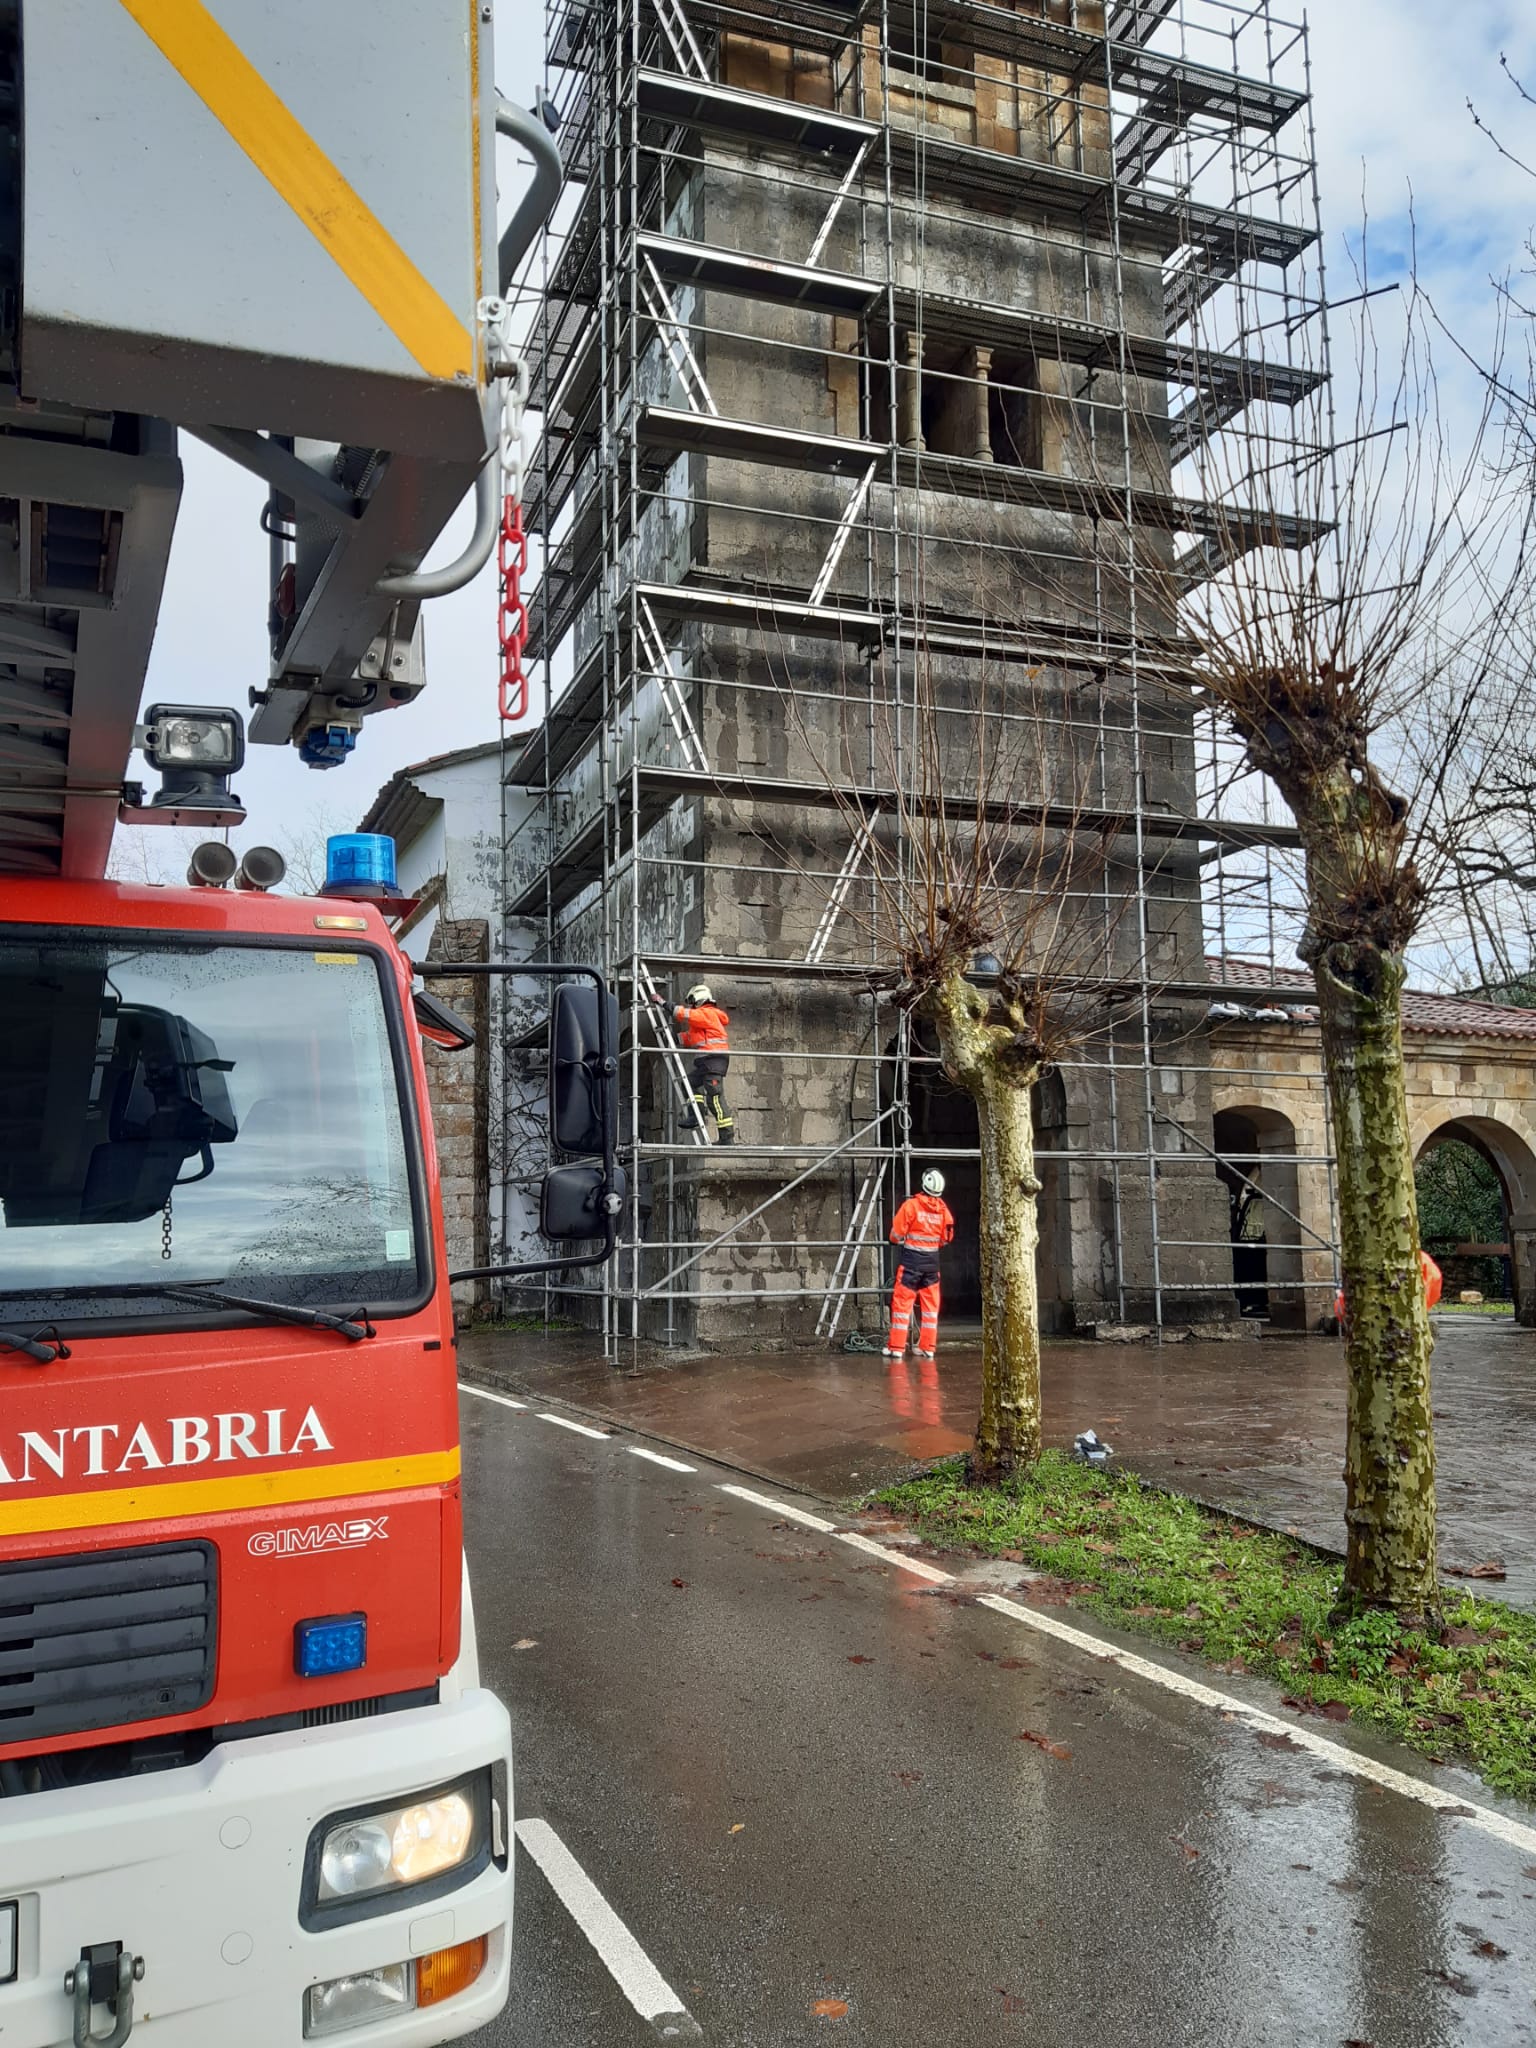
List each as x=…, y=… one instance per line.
x=360, y=864
x=330, y=1644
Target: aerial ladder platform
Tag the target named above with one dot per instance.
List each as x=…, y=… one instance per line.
x=201, y=235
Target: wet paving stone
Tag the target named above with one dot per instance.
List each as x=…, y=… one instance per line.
x=1255, y=1425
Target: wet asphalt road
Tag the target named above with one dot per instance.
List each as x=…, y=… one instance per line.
x=797, y=1775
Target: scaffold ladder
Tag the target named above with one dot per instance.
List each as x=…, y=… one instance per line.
x=846, y=1269
x=671, y=1052
x=673, y=23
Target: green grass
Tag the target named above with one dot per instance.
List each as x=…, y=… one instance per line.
x=528, y=1320
x=1474, y=1308
x=1252, y=1601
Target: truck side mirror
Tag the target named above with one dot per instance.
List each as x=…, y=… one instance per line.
x=576, y=1201
x=583, y=1095
x=440, y=1024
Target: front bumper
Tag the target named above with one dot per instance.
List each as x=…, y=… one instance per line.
x=198, y=1871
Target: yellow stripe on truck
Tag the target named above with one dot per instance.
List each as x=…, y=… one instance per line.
x=302, y=175
x=156, y=1501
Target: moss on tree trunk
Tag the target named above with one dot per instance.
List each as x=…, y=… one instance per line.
x=997, y=1066
x=1362, y=903
x=1390, y=1454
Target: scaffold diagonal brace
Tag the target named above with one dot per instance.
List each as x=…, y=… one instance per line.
x=679, y=717
x=845, y=526
x=830, y=220
x=674, y=334
x=824, y=1160
x=837, y=895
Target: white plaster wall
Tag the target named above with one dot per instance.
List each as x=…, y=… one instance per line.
x=463, y=842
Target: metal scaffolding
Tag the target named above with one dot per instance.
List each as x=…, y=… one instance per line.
x=840, y=295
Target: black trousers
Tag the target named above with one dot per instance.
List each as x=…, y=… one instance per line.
x=709, y=1070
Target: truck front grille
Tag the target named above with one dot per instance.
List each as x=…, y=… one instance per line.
x=106, y=1640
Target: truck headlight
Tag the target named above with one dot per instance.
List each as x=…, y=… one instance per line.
x=359, y=2000
x=371, y=1995
x=403, y=1846
x=359, y=1863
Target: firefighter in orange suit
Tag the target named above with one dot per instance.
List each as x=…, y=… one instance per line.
x=701, y=1027
x=922, y=1228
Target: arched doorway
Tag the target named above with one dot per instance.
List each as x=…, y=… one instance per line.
x=1258, y=1170
x=943, y=1122
x=1475, y=1175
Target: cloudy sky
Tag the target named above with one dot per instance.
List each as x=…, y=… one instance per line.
x=1392, y=79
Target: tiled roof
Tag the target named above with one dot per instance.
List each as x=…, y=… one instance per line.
x=1442, y=1016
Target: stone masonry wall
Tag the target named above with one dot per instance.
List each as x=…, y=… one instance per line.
x=458, y=1085
x=1480, y=1090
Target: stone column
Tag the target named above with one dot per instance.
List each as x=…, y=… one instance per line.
x=458, y=1086
x=909, y=393
x=978, y=367
x=1522, y=1250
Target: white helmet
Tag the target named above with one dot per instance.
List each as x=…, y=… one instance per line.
x=933, y=1182
x=699, y=993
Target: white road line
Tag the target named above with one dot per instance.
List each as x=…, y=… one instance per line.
x=672, y=1464
x=624, y=1959
x=581, y=1428
x=1438, y=1800
x=484, y=1394
x=781, y=1507
x=919, y=1565
x=1515, y=1833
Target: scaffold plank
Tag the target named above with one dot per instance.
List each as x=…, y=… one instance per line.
x=667, y=429
x=645, y=798
x=748, y=117
x=681, y=784
x=1115, y=988
x=760, y=277
x=1231, y=379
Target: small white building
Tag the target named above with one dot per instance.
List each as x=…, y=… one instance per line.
x=446, y=818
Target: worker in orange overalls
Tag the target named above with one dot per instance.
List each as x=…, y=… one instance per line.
x=922, y=1227
x=701, y=1026
x=1434, y=1284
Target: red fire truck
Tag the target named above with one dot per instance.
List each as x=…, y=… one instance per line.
x=251, y=1789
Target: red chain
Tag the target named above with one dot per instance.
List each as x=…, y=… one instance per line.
x=512, y=630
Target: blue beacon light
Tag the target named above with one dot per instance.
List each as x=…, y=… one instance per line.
x=360, y=864
x=329, y=1645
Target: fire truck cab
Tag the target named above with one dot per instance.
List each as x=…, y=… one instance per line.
x=251, y=1789
x=245, y=1758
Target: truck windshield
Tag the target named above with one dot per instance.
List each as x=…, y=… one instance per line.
x=175, y=1113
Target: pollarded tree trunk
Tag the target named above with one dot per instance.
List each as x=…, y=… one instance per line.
x=1390, y=1454
x=1362, y=903
x=1008, y=1431
x=997, y=1064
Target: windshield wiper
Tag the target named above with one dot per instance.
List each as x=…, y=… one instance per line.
x=40, y=1348
x=354, y=1328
